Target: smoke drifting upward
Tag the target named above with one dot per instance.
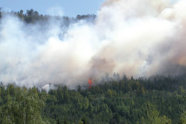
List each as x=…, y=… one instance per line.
x=132, y=37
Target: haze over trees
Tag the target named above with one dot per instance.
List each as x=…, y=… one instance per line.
x=156, y=100
x=31, y=16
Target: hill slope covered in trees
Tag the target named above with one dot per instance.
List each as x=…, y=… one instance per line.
x=158, y=100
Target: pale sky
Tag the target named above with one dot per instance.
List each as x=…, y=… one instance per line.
x=69, y=7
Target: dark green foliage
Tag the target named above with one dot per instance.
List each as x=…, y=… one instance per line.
x=31, y=17
x=158, y=100
x=20, y=106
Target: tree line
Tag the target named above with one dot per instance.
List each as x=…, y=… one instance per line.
x=31, y=16
x=156, y=100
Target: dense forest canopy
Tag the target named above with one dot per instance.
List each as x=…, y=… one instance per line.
x=157, y=100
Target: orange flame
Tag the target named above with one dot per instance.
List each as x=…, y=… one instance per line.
x=90, y=83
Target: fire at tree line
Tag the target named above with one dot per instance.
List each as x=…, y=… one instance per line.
x=154, y=100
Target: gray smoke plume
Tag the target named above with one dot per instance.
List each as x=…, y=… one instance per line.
x=132, y=37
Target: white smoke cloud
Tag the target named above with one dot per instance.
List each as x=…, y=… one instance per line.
x=138, y=38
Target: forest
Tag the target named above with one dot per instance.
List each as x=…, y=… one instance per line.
x=153, y=100
x=31, y=16
x=157, y=100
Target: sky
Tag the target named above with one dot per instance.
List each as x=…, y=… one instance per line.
x=65, y=7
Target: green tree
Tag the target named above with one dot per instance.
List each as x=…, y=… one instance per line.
x=151, y=115
x=183, y=118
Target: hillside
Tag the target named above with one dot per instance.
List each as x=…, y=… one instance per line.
x=157, y=100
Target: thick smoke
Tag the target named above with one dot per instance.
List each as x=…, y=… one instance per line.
x=132, y=37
